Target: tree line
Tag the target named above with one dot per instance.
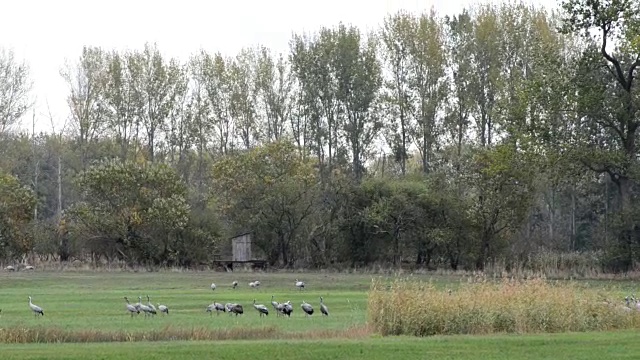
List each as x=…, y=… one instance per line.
x=494, y=136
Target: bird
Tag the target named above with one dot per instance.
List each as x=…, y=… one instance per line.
x=163, y=309
x=152, y=309
x=144, y=308
x=213, y=286
x=37, y=310
x=234, y=284
x=307, y=308
x=274, y=303
x=260, y=308
x=228, y=307
x=130, y=308
x=29, y=267
x=10, y=268
x=217, y=307
x=252, y=284
x=299, y=284
x=323, y=307
x=237, y=309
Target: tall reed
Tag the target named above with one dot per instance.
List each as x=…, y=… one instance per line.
x=406, y=307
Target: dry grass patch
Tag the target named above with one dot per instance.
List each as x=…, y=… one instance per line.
x=57, y=335
x=407, y=307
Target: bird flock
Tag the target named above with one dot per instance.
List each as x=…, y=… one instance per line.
x=281, y=309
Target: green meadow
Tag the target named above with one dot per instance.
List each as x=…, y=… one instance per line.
x=86, y=318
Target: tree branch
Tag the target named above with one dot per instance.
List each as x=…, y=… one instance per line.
x=619, y=74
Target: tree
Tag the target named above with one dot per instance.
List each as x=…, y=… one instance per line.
x=130, y=210
x=358, y=75
x=15, y=87
x=273, y=80
x=87, y=80
x=617, y=21
x=16, y=211
x=397, y=36
x=429, y=83
x=272, y=191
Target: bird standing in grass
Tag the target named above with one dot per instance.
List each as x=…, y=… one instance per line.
x=234, y=284
x=323, y=307
x=37, y=310
x=299, y=284
x=163, y=309
x=213, y=286
x=217, y=307
x=152, y=309
x=260, y=308
x=288, y=308
x=237, y=309
x=130, y=308
x=307, y=308
x=144, y=308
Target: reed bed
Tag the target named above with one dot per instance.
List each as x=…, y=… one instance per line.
x=479, y=306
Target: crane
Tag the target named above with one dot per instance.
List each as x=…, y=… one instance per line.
x=323, y=307
x=37, y=310
x=260, y=308
x=152, y=309
x=130, y=308
x=307, y=308
x=163, y=309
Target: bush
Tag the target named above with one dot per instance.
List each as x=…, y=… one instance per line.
x=510, y=306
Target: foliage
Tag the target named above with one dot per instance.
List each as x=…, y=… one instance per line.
x=15, y=87
x=435, y=141
x=270, y=191
x=16, y=211
x=135, y=209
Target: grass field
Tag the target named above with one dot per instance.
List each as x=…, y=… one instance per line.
x=89, y=307
x=584, y=346
x=82, y=301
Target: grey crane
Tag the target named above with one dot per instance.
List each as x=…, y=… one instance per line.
x=237, y=309
x=130, y=308
x=274, y=303
x=285, y=308
x=37, y=310
x=10, y=268
x=260, y=308
x=323, y=307
x=307, y=308
x=152, y=309
x=213, y=286
x=163, y=309
x=228, y=307
x=217, y=307
x=299, y=284
x=144, y=308
x=234, y=284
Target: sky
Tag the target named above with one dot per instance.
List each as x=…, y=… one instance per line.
x=47, y=33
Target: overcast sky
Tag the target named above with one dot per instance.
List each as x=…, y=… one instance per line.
x=45, y=33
